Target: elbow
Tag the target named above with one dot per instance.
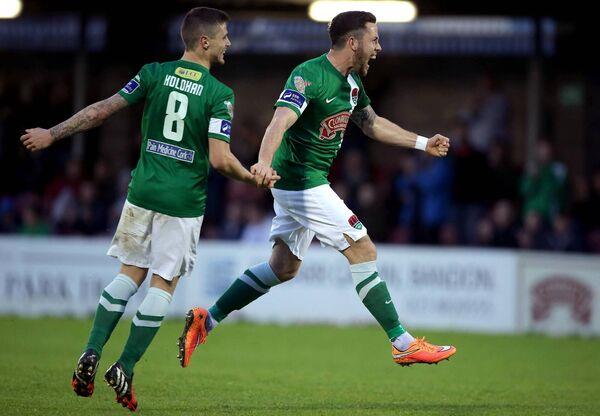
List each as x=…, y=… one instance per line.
x=369, y=131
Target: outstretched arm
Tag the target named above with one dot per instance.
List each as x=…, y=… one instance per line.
x=221, y=158
x=383, y=130
x=88, y=118
x=282, y=120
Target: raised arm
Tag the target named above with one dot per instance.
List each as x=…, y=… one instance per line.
x=282, y=120
x=91, y=116
x=383, y=130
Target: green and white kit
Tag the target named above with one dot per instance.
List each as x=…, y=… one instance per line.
x=184, y=107
x=305, y=205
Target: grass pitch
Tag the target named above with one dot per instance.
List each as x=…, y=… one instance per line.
x=262, y=370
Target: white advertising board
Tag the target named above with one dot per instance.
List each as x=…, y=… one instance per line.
x=560, y=294
x=460, y=289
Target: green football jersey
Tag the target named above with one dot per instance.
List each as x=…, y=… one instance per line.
x=185, y=106
x=324, y=100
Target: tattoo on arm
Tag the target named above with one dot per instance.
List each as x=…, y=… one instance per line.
x=364, y=118
x=90, y=117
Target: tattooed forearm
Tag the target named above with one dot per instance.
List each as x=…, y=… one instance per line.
x=90, y=117
x=364, y=118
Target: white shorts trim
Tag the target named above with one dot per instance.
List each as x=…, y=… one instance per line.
x=166, y=245
x=301, y=215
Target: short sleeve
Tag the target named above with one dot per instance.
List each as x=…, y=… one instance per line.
x=221, y=115
x=299, y=89
x=137, y=89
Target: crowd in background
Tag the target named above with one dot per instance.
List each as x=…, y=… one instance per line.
x=475, y=197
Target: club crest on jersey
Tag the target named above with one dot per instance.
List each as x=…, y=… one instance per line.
x=229, y=107
x=332, y=124
x=355, y=222
x=131, y=85
x=301, y=84
x=354, y=96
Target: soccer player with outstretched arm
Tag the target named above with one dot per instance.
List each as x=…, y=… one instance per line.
x=319, y=99
x=186, y=126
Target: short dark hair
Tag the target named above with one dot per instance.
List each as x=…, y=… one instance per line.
x=348, y=24
x=200, y=21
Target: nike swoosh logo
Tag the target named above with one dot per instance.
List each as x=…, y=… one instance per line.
x=445, y=348
x=387, y=302
x=404, y=354
x=328, y=100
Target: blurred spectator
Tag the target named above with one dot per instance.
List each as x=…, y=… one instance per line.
x=91, y=211
x=8, y=222
x=470, y=186
x=488, y=116
x=434, y=184
x=471, y=198
x=563, y=236
x=503, y=220
x=543, y=188
x=32, y=223
x=502, y=178
x=595, y=200
x=425, y=195
x=484, y=235
x=407, y=196
x=449, y=235
x=531, y=236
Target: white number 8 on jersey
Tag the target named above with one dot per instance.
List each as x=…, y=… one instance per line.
x=173, y=127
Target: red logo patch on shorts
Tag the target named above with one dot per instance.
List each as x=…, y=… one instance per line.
x=355, y=222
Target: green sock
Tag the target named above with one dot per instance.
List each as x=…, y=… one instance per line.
x=374, y=294
x=252, y=284
x=111, y=306
x=144, y=327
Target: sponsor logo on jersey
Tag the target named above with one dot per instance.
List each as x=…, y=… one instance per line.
x=183, y=85
x=301, y=84
x=219, y=126
x=293, y=97
x=131, y=85
x=226, y=127
x=170, y=150
x=332, y=124
x=229, y=107
x=188, y=73
x=355, y=222
x=354, y=96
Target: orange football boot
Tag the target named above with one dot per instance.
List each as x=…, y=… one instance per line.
x=194, y=333
x=421, y=351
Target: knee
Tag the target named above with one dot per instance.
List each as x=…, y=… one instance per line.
x=367, y=250
x=164, y=284
x=285, y=270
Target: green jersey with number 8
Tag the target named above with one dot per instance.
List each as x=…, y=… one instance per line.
x=185, y=106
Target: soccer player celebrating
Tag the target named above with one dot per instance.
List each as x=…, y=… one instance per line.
x=185, y=126
x=304, y=136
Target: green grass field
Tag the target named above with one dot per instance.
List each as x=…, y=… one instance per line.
x=249, y=369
